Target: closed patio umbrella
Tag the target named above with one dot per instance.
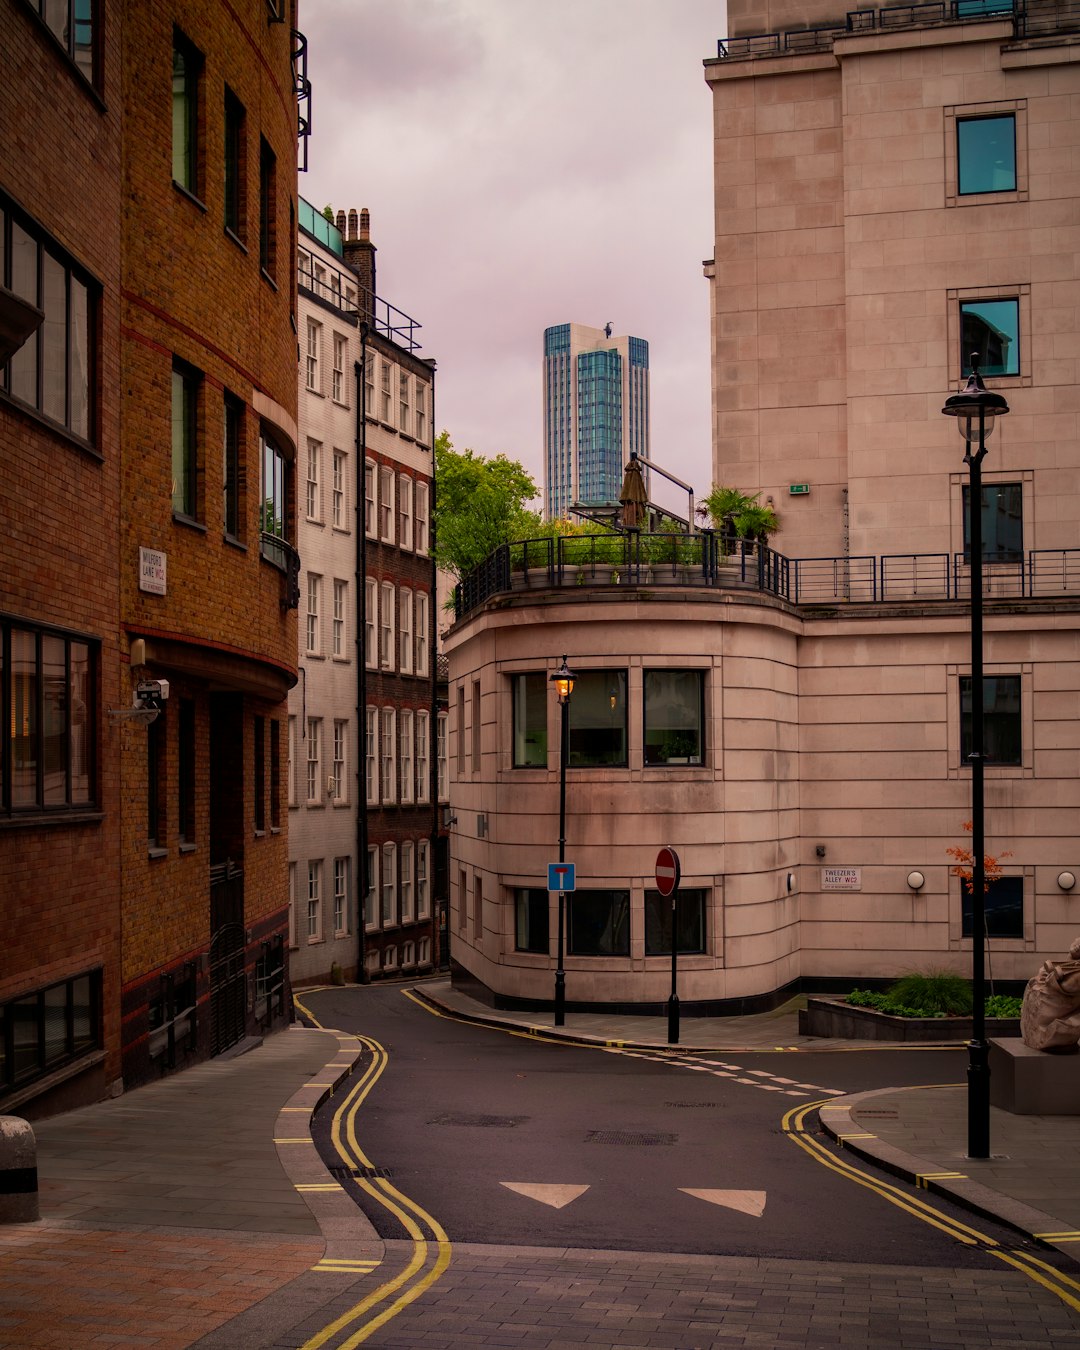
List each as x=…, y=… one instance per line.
x=632, y=497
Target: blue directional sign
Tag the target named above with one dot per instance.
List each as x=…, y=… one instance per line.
x=560, y=876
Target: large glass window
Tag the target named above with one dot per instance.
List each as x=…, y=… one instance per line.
x=1001, y=719
x=991, y=328
x=52, y=370
x=72, y=23
x=267, y=222
x=185, y=397
x=233, y=477
x=598, y=922
x=1003, y=906
x=49, y=708
x=187, y=63
x=674, y=716
x=1002, y=522
x=234, y=164
x=598, y=719
x=986, y=154
x=185, y=797
x=689, y=922
x=275, y=490
x=530, y=696
x=49, y=1027
x=531, y=920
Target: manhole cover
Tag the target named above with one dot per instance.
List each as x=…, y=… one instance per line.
x=636, y=1137
x=478, y=1122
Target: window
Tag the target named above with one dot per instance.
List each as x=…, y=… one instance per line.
x=371, y=617
x=421, y=605
x=405, y=501
x=314, y=901
x=369, y=498
x=384, y=393
x=530, y=695
x=423, y=732
x=313, y=499
x=54, y=370
x=405, y=729
x=340, y=594
x=463, y=899
x=294, y=940
x=986, y=154
x=420, y=516
x=478, y=909
x=388, y=913
x=405, y=638
x=338, y=378
x=386, y=505
x=72, y=23
x=476, y=727
x=991, y=328
x=403, y=392
x=341, y=897
x=313, y=635
x=1002, y=522
x=259, y=777
x=598, y=719
x=423, y=888
x=674, y=716
x=293, y=795
x=405, y=883
x=1003, y=905
x=314, y=731
x=598, y=922
x=156, y=780
x=337, y=768
x=267, y=222
x=531, y=920
x=185, y=396
x=389, y=755
x=389, y=958
x=371, y=886
x=1001, y=719
x=369, y=384
x=421, y=411
x=311, y=360
x=337, y=498
x=423, y=951
x=187, y=66
x=48, y=703
x=371, y=766
x=689, y=919
x=48, y=1028
x=408, y=954
x=235, y=195
x=386, y=626
x=275, y=494
x=275, y=775
x=231, y=467
x=461, y=730
x=442, y=759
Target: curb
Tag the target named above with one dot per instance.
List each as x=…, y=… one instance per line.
x=837, y=1120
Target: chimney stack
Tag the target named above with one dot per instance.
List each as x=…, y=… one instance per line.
x=360, y=255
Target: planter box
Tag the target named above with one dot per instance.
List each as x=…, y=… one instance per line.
x=843, y=1021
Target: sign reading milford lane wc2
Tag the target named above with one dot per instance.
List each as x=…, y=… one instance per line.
x=841, y=878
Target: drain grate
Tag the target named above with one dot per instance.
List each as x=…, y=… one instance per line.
x=349, y=1173
x=687, y=1105
x=478, y=1122
x=639, y=1138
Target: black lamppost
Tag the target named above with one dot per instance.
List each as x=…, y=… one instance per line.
x=975, y=409
x=563, y=680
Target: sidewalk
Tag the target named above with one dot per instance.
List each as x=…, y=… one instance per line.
x=169, y=1211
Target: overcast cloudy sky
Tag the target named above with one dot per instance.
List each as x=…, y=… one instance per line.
x=526, y=163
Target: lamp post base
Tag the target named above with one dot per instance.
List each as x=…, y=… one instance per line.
x=673, y=1020
x=560, y=998
x=978, y=1082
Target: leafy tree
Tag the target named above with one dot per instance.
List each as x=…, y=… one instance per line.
x=479, y=504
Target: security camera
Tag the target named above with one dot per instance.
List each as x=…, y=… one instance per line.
x=151, y=693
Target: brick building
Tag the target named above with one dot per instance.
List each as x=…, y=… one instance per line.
x=150, y=430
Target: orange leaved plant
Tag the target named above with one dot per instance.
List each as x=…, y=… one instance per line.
x=965, y=863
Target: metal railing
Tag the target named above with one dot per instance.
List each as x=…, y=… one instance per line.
x=640, y=560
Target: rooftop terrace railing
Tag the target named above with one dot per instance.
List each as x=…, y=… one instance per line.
x=1031, y=19
x=708, y=560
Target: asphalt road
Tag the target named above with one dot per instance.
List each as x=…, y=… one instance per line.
x=470, y=1122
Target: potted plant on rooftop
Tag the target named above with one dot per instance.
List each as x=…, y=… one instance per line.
x=738, y=516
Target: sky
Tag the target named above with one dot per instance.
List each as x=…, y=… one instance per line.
x=528, y=163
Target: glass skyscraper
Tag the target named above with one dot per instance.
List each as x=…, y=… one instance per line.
x=596, y=411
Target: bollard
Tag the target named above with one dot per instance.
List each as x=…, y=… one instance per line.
x=18, y=1171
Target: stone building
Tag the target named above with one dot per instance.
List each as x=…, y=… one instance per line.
x=896, y=188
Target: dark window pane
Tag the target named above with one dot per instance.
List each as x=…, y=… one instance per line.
x=24, y=718
x=992, y=329
x=184, y=385
x=55, y=1023
x=26, y=1056
x=598, y=719
x=234, y=415
x=1001, y=719
x=986, y=154
x=54, y=720
x=689, y=918
x=1002, y=522
x=531, y=920
x=530, y=694
x=674, y=716
x=260, y=773
x=54, y=331
x=1004, y=908
x=84, y=1013
x=186, y=772
x=80, y=696
x=598, y=923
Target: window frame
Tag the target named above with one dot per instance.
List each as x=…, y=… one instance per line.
x=657, y=907
x=406, y=894
x=616, y=678
x=576, y=922
x=423, y=757
x=991, y=510
x=234, y=166
x=422, y=620
x=339, y=763
x=313, y=621
x=532, y=911
x=75, y=1047
x=314, y=911
x=188, y=65
x=992, y=729
x=338, y=492
x=387, y=625
x=388, y=888
x=988, y=369
x=999, y=897
x=232, y=468
x=528, y=695
x=339, y=623
x=66, y=35
x=675, y=739
x=313, y=482
x=420, y=517
x=186, y=391
x=337, y=378
x=371, y=756
x=405, y=512
x=388, y=755
x=404, y=630
x=423, y=879
x=406, y=749
x=341, y=897
x=267, y=203
x=956, y=114
x=313, y=785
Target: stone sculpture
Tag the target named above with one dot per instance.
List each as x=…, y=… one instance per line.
x=1050, y=1016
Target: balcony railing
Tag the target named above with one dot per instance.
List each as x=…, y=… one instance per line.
x=707, y=560
x=280, y=553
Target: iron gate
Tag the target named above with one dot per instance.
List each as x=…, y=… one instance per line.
x=228, y=987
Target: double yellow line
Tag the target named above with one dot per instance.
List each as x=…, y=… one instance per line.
x=1041, y=1272
x=431, y=1247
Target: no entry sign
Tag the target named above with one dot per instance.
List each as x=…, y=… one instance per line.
x=667, y=871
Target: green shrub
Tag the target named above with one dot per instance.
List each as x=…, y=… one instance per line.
x=1003, y=1005
x=942, y=991
x=884, y=1003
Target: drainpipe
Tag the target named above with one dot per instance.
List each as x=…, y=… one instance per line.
x=359, y=506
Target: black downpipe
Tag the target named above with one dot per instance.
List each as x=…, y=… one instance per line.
x=359, y=506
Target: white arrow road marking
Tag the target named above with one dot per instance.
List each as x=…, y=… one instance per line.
x=746, y=1202
x=558, y=1197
